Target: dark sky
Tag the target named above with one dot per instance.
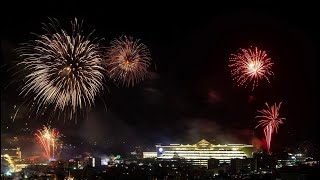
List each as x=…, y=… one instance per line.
x=190, y=94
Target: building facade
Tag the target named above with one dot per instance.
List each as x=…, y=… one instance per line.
x=149, y=155
x=201, y=152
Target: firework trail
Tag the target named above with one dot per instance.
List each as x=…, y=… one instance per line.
x=270, y=121
x=63, y=70
x=48, y=139
x=127, y=61
x=250, y=66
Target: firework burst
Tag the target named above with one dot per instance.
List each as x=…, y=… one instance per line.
x=63, y=70
x=270, y=121
x=250, y=66
x=48, y=139
x=127, y=61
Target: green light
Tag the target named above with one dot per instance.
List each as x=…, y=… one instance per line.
x=118, y=156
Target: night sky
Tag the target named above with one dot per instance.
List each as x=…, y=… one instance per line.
x=189, y=93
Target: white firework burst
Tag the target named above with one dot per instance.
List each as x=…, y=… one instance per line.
x=63, y=69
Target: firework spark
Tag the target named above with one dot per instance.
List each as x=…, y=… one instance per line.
x=48, y=139
x=270, y=120
x=62, y=70
x=128, y=61
x=250, y=66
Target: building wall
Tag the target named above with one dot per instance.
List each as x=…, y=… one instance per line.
x=149, y=154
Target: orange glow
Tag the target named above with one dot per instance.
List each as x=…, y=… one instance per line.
x=128, y=61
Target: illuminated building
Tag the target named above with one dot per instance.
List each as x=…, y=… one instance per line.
x=73, y=163
x=13, y=157
x=137, y=152
x=244, y=165
x=295, y=160
x=84, y=162
x=15, y=154
x=149, y=154
x=94, y=161
x=19, y=166
x=201, y=152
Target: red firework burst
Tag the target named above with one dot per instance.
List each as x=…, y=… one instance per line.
x=249, y=66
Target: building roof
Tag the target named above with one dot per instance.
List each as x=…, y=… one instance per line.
x=203, y=141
